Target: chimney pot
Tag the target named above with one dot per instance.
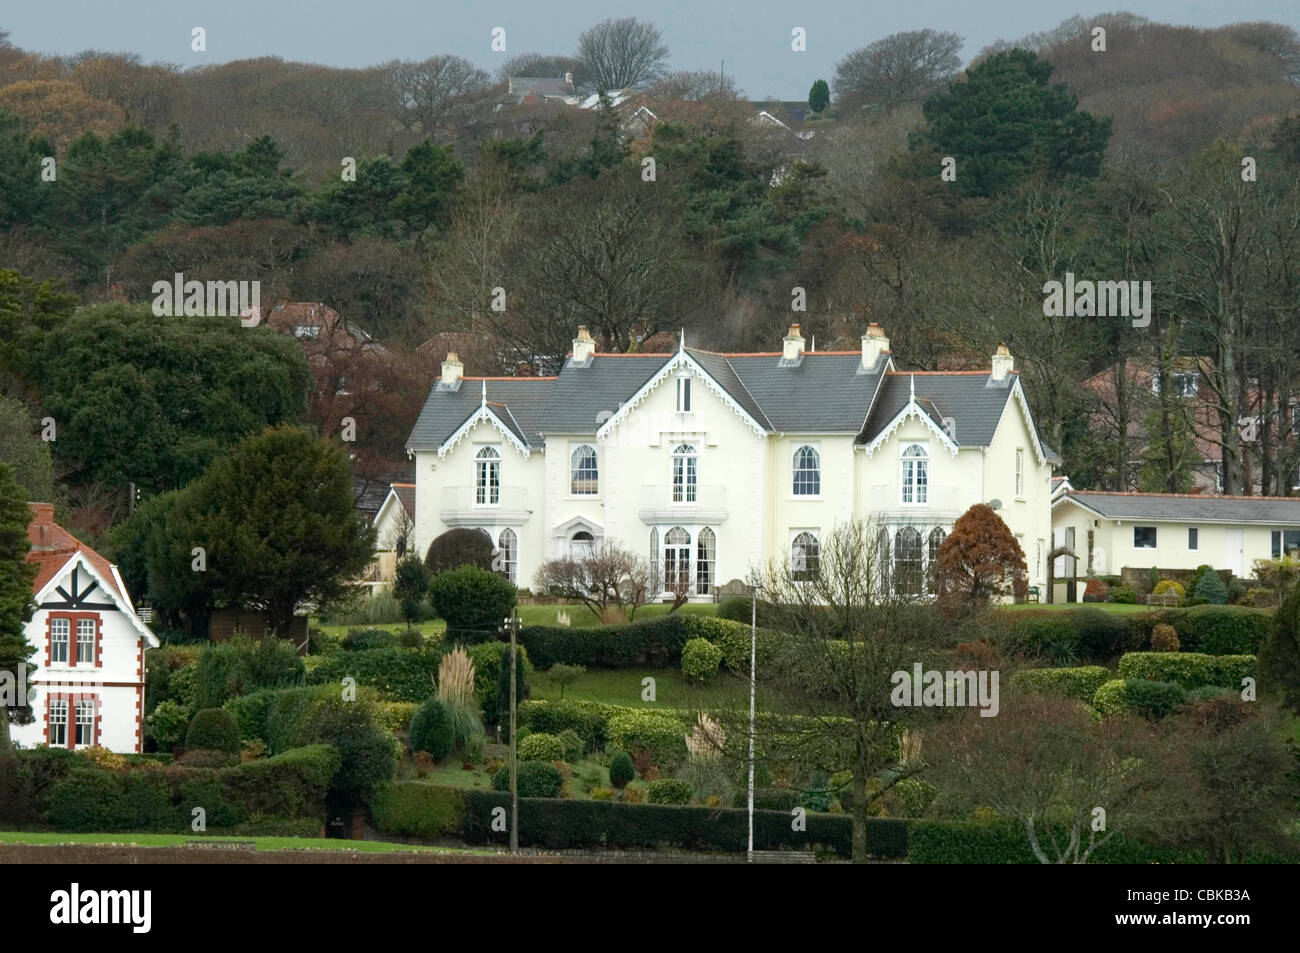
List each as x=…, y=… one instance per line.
x=792, y=346
x=452, y=369
x=874, y=344
x=1003, y=363
x=583, y=346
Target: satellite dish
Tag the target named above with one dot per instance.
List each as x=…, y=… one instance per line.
x=995, y=504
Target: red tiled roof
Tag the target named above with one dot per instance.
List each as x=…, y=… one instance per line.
x=52, y=547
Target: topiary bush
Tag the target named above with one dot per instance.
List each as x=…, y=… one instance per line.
x=533, y=779
x=459, y=547
x=1164, y=638
x=432, y=730
x=214, y=729
x=1138, y=696
x=540, y=746
x=621, y=770
x=473, y=601
x=668, y=791
x=1169, y=585
x=700, y=660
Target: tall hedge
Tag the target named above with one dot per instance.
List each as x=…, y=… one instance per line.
x=1079, y=683
x=1188, y=669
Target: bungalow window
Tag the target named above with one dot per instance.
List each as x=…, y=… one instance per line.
x=807, y=472
x=685, y=474
x=1144, y=537
x=1193, y=537
x=56, y=729
x=915, y=475
x=584, y=471
x=86, y=641
x=60, y=631
x=487, y=477
x=1285, y=542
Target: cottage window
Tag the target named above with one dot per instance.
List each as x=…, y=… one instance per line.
x=86, y=641
x=807, y=472
x=683, y=395
x=1020, y=473
x=57, y=727
x=60, y=631
x=487, y=477
x=85, y=722
x=936, y=538
x=584, y=471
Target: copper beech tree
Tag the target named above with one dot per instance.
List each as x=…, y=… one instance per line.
x=980, y=560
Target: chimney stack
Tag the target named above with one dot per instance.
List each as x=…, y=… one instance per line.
x=452, y=370
x=874, y=344
x=568, y=79
x=792, y=346
x=583, y=346
x=1003, y=363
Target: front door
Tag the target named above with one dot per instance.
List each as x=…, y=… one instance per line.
x=1235, y=557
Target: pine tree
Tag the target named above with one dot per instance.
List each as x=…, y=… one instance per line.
x=819, y=96
x=16, y=576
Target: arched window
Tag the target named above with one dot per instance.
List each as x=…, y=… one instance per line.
x=805, y=557
x=508, y=549
x=677, y=560
x=582, y=545
x=487, y=477
x=685, y=473
x=807, y=472
x=656, y=586
x=584, y=471
x=705, y=557
x=937, y=536
x=907, y=561
x=915, y=476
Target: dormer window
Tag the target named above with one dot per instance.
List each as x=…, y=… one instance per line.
x=683, y=395
x=915, y=478
x=487, y=477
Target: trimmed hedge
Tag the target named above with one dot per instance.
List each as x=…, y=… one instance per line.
x=1087, y=634
x=1188, y=669
x=590, y=720
x=541, y=746
x=402, y=675
x=1081, y=683
x=292, y=784
x=1138, y=696
x=661, y=735
x=413, y=808
x=653, y=643
x=1094, y=635
x=1005, y=842
x=668, y=791
x=536, y=779
x=213, y=728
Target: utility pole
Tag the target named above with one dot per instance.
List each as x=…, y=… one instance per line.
x=513, y=624
x=753, y=669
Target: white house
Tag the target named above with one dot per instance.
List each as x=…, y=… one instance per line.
x=712, y=463
x=1109, y=531
x=394, y=523
x=88, y=687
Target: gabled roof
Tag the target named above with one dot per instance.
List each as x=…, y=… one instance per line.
x=52, y=547
x=1187, y=507
x=515, y=401
x=406, y=496
x=972, y=400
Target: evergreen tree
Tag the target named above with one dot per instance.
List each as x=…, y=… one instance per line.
x=16, y=576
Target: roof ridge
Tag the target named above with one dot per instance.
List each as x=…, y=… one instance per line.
x=766, y=419
x=1182, y=496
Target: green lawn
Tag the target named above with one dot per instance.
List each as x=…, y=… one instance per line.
x=1116, y=607
x=177, y=840
x=623, y=687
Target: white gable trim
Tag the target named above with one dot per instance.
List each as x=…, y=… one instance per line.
x=484, y=412
x=680, y=359
x=1087, y=509
x=912, y=409
x=383, y=507
x=78, y=560
x=1018, y=392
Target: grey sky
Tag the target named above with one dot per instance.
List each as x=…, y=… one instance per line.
x=753, y=36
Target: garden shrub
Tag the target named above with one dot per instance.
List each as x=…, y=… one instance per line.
x=1139, y=696
x=1279, y=657
x=1188, y=669
x=1211, y=588
x=394, y=717
x=1224, y=630
x=1084, y=633
x=294, y=783
x=487, y=658
x=1122, y=595
x=589, y=720
x=167, y=724
x=242, y=665
x=473, y=602
x=668, y=791
x=1169, y=585
x=213, y=728
x=736, y=609
x=700, y=660
x=1080, y=683
x=432, y=730
x=403, y=675
x=540, y=746
x=1164, y=638
x=572, y=744
x=418, y=810
x=358, y=640
x=459, y=547
x=661, y=736
x=621, y=770
x=533, y=779
x=1005, y=842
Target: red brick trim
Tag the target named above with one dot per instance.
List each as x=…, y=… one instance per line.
x=72, y=698
x=48, y=640
x=73, y=619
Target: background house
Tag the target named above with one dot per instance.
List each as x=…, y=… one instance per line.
x=88, y=688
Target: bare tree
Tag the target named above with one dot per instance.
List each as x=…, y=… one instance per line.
x=1047, y=764
x=695, y=86
x=902, y=68
x=610, y=581
x=540, y=65
x=618, y=54
x=425, y=93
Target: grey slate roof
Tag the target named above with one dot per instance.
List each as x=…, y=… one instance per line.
x=1164, y=507
x=826, y=392
x=974, y=401
x=518, y=401
x=406, y=495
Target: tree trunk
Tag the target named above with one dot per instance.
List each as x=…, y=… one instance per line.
x=860, y=814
